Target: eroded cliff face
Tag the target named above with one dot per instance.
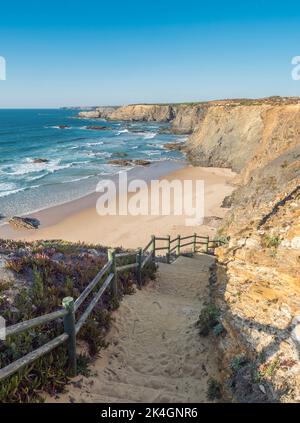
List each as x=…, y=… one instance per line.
x=258, y=277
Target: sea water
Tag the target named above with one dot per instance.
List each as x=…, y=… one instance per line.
x=77, y=157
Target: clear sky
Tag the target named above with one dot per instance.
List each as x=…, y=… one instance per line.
x=114, y=52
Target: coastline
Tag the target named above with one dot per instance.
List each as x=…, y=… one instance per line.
x=78, y=221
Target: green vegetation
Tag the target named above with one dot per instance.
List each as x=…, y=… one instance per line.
x=213, y=389
x=268, y=369
x=271, y=241
x=208, y=319
x=237, y=362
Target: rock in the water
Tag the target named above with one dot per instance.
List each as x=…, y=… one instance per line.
x=63, y=126
x=129, y=162
x=39, y=160
x=98, y=128
x=180, y=146
x=141, y=162
x=24, y=222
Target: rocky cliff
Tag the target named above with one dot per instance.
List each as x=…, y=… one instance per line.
x=183, y=117
x=257, y=285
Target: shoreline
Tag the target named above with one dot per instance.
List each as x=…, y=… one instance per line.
x=78, y=221
x=54, y=214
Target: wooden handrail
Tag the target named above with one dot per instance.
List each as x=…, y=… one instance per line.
x=93, y=302
x=92, y=285
x=71, y=328
x=37, y=321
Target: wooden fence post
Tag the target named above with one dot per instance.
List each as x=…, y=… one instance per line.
x=139, y=267
x=194, y=243
x=168, y=250
x=69, y=327
x=153, y=247
x=206, y=245
x=112, y=257
x=178, y=246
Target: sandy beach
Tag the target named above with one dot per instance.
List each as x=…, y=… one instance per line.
x=79, y=221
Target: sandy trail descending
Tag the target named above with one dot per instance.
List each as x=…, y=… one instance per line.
x=155, y=352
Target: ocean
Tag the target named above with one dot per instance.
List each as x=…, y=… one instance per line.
x=77, y=157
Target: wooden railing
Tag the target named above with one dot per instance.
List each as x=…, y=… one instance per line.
x=109, y=277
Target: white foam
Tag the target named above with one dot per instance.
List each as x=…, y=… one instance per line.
x=150, y=135
x=9, y=188
x=90, y=144
x=30, y=167
x=122, y=131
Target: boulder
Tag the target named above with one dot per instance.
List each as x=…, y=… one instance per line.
x=24, y=222
x=98, y=128
x=141, y=162
x=39, y=160
x=179, y=146
x=129, y=162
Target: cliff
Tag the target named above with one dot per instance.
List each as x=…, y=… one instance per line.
x=257, y=284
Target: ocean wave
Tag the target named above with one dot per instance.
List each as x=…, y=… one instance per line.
x=155, y=145
x=30, y=167
x=58, y=127
x=90, y=144
x=152, y=153
x=9, y=188
x=122, y=131
x=150, y=135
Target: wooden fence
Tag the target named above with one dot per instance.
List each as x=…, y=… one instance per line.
x=108, y=275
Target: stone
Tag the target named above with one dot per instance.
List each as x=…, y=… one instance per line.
x=180, y=146
x=295, y=243
x=24, y=222
x=98, y=128
x=129, y=162
x=39, y=160
x=252, y=243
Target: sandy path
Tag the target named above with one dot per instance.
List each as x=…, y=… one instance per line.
x=155, y=352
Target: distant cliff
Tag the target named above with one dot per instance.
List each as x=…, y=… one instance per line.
x=183, y=117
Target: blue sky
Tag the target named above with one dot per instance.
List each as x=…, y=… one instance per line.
x=100, y=52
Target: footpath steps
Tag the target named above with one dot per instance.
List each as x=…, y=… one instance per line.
x=155, y=353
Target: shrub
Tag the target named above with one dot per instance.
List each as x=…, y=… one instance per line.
x=213, y=389
x=271, y=241
x=208, y=319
